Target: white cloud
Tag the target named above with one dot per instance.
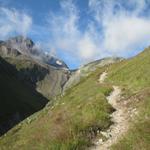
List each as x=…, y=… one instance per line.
x=123, y=30
x=63, y=26
x=13, y=21
x=66, y=35
x=86, y=48
x=126, y=33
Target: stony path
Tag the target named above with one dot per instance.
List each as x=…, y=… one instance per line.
x=119, y=118
x=102, y=77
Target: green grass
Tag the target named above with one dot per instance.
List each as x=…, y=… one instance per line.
x=133, y=73
x=67, y=125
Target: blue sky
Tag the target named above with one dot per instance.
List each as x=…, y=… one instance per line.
x=79, y=31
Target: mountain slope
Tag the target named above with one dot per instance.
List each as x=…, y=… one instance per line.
x=18, y=100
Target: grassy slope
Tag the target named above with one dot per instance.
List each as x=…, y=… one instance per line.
x=134, y=76
x=15, y=96
x=133, y=73
x=67, y=125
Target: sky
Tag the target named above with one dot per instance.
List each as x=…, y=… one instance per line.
x=79, y=31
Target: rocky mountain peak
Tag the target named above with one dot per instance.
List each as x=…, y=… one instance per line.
x=25, y=46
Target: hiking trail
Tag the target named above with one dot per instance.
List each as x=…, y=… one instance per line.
x=119, y=118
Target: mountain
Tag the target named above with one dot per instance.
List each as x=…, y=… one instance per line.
x=45, y=73
x=27, y=47
x=27, y=82
x=88, y=114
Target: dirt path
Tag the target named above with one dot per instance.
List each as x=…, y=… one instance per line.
x=119, y=118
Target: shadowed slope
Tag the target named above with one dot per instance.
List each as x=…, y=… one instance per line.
x=17, y=99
